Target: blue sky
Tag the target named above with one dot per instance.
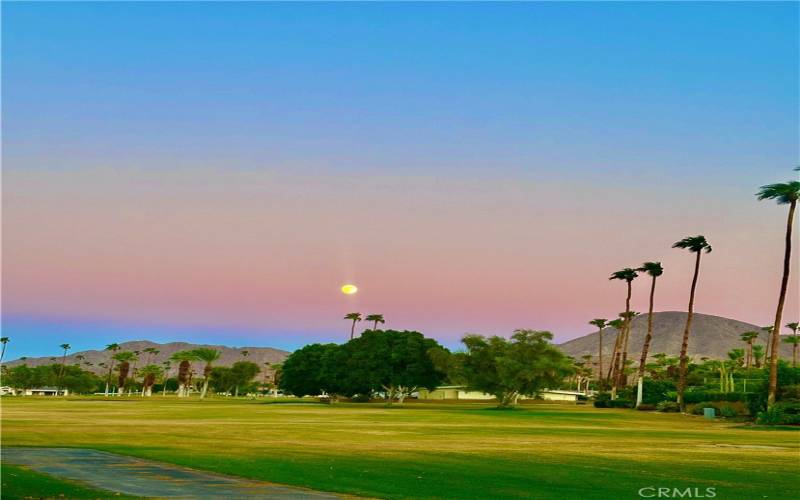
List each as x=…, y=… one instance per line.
x=697, y=101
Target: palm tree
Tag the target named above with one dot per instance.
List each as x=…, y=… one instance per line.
x=768, y=329
x=113, y=348
x=794, y=340
x=655, y=270
x=785, y=193
x=4, y=341
x=149, y=375
x=66, y=348
x=376, y=318
x=124, y=358
x=355, y=318
x=793, y=327
x=618, y=325
x=244, y=354
x=167, y=366
x=151, y=351
x=749, y=338
x=600, y=323
x=758, y=354
x=698, y=245
x=627, y=318
x=627, y=275
x=185, y=359
x=209, y=356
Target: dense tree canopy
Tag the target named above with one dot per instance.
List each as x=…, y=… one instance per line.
x=508, y=369
x=74, y=378
x=395, y=363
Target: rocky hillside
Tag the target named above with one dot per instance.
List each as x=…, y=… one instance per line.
x=258, y=355
x=711, y=336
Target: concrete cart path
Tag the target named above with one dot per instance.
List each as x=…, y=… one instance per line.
x=146, y=478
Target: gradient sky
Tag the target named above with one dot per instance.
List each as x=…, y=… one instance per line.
x=214, y=172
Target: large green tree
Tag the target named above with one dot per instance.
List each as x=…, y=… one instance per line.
x=654, y=270
x=697, y=245
x=510, y=368
x=785, y=193
x=396, y=363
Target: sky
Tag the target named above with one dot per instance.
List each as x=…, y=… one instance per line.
x=212, y=172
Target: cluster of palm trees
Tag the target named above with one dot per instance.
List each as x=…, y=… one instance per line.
x=185, y=358
x=355, y=317
x=783, y=193
x=150, y=373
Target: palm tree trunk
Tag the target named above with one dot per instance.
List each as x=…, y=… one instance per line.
x=611, y=371
x=684, y=359
x=353, y=330
x=623, y=379
x=600, y=356
x=776, y=329
x=649, y=335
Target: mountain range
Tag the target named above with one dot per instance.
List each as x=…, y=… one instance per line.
x=710, y=336
x=228, y=355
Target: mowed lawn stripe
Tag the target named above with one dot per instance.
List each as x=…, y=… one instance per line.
x=424, y=450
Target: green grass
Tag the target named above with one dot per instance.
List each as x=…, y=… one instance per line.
x=425, y=450
x=20, y=483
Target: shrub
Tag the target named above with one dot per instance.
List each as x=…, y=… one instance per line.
x=668, y=406
x=771, y=416
x=602, y=399
x=789, y=392
x=655, y=391
x=646, y=407
x=620, y=403
x=699, y=408
x=706, y=396
x=361, y=398
x=729, y=411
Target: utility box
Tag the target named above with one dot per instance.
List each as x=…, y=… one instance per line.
x=709, y=413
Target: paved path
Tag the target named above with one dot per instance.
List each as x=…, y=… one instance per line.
x=145, y=478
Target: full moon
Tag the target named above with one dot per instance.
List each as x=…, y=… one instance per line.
x=349, y=289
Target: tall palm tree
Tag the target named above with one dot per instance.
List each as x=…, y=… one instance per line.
x=696, y=244
x=167, y=366
x=618, y=325
x=124, y=358
x=149, y=375
x=758, y=354
x=376, y=318
x=793, y=327
x=785, y=193
x=244, y=354
x=768, y=329
x=4, y=341
x=627, y=318
x=355, y=318
x=209, y=356
x=627, y=275
x=748, y=338
x=794, y=340
x=66, y=348
x=600, y=323
x=654, y=270
x=113, y=348
x=184, y=358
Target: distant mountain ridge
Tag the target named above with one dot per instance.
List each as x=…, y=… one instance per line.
x=711, y=336
x=228, y=355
